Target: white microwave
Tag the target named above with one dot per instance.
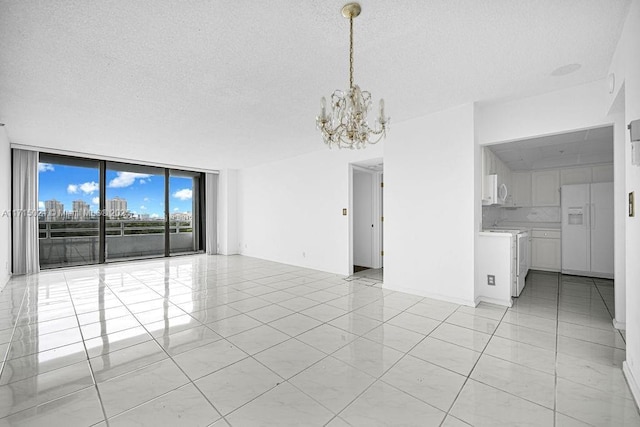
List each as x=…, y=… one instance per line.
x=492, y=193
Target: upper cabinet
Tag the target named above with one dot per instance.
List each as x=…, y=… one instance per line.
x=545, y=188
x=602, y=173
x=575, y=176
x=521, y=189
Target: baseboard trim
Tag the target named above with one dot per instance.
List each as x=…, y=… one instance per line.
x=620, y=325
x=495, y=301
x=418, y=292
x=588, y=274
x=631, y=381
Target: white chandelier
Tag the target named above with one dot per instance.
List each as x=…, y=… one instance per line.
x=346, y=125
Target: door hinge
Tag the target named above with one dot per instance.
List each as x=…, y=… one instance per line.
x=381, y=253
x=382, y=218
x=382, y=184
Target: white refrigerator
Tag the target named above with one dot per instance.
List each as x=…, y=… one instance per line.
x=587, y=229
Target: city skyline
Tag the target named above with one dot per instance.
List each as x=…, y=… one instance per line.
x=144, y=192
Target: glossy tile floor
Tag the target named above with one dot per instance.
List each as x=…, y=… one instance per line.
x=204, y=340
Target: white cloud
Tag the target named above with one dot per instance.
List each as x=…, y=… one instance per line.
x=176, y=209
x=40, y=205
x=184, y=194
x=95, y=200
x=155, y=215
x=125, y=179
x=143, y=207
x=146, y=199
x=45, y=167
x=72, y=189
x=89, y=187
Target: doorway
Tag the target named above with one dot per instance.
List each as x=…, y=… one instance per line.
x=367, y=219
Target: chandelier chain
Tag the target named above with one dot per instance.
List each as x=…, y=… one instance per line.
x=350, y=52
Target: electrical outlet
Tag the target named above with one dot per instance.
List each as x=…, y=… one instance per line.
x=491, y=280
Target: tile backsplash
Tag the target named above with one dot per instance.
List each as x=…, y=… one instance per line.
x=494, y=214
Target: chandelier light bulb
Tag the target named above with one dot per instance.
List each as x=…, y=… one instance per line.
x=346, y=125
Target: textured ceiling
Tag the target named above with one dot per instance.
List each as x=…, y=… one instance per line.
x=234, y=84
x=585, y=147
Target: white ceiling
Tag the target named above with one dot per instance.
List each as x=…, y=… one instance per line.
x=585, y=147
x=234, y=84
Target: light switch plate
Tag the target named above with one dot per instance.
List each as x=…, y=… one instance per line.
x=491, y=280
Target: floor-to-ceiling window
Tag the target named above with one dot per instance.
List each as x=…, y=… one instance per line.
x=68, y=204
x=94, y=211
x=135, y=211
x=184, y=211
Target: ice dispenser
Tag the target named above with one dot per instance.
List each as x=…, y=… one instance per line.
x=575, y=216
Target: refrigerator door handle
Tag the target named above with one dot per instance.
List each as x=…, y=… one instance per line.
x=587, y=216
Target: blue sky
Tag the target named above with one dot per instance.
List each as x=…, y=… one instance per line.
x=144, y=193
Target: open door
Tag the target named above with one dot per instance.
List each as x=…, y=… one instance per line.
x=367, y=217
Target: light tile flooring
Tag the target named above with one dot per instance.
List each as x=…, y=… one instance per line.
x=221, y=341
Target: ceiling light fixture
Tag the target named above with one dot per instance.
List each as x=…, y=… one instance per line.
x=346, y=125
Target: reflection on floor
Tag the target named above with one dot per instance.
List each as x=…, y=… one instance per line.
x=238, y=341
x=374, y=275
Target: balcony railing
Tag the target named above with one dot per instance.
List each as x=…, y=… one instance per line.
x=76, y=242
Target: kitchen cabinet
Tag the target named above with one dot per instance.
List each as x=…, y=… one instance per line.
x=545, y=188
x=521, y=189
x=602, y=173
x=575, y=176
x=546, y=249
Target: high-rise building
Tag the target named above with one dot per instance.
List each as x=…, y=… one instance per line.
x=81, y=209
x=116, y=207
x=53, y=210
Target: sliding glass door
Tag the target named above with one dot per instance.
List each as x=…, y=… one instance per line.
x=134, y=211
x=68, y=211
x=184, y=211
x=95, y=211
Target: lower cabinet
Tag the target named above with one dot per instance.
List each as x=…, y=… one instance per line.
x=546, y=250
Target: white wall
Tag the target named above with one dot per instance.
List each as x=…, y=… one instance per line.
x=626, y=67
x=228, y=212
x=494, y=257
x=578, y=107
x=5, y=205
x=430, y=210
x=290, y=211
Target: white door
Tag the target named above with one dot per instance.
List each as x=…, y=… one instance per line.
x=575, y=227
x=602, y=228
x=363, y=219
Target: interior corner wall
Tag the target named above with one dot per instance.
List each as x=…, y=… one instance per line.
x=228, y=212
x=5, y=208
x=429, y=183
x=290, y=211
x=626, y=67
x=619, y=214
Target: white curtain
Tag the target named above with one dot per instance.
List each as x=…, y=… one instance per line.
x=26, y=257
x=211, y=206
